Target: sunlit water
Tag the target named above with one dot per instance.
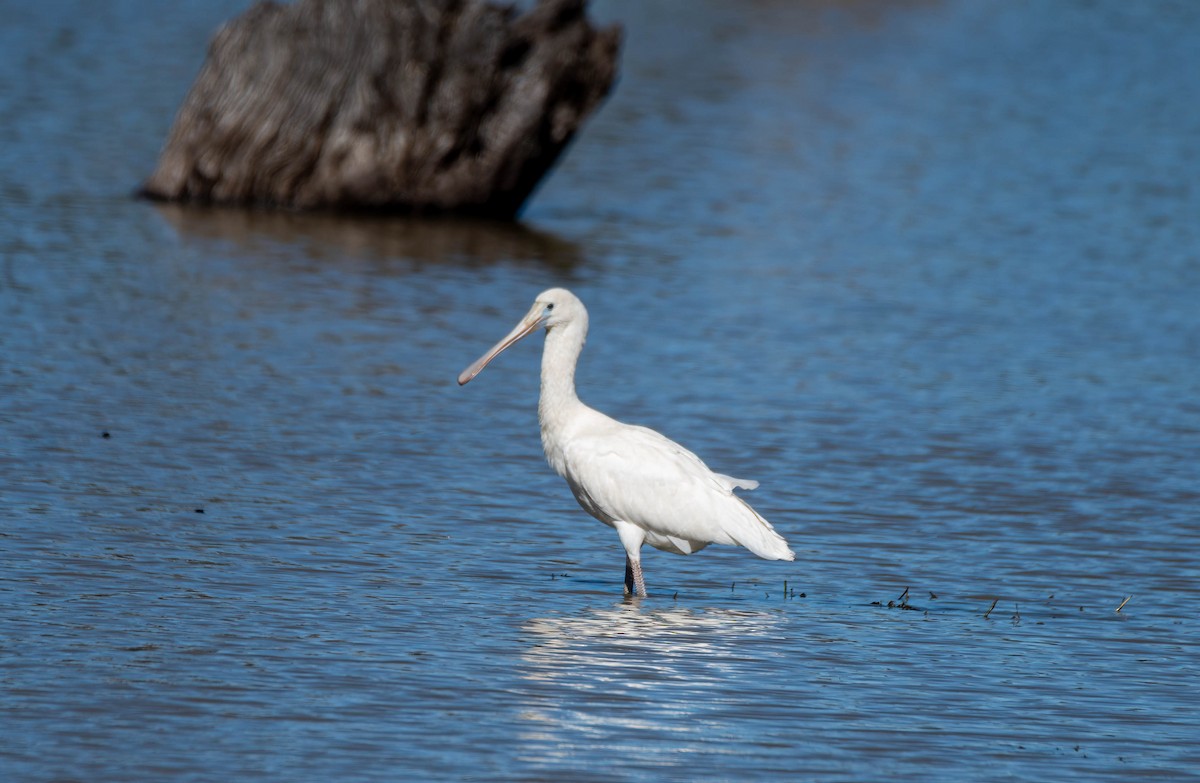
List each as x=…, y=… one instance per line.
x=929, y=271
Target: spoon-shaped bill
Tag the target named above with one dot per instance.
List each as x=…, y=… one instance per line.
x=528, y=325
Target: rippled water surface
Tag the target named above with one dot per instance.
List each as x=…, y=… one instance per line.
x=929, y=271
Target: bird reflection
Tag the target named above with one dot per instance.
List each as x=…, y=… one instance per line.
x=624, y=675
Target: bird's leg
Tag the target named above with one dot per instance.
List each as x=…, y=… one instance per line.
x=635, y=584
x=632, y=537
x=634, y=568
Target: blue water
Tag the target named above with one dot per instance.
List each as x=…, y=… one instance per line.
x=928, y=271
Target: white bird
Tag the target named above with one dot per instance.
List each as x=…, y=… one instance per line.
x=646, y=486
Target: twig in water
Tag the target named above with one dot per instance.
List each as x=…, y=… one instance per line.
x=990, y=608
x=903, y=596
x=1122, y=606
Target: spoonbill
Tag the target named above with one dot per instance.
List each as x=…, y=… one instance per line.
x=646, y=486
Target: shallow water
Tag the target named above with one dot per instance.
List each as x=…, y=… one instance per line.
x=928, y=271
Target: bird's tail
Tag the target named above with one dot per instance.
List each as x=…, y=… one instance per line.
x=760, y=537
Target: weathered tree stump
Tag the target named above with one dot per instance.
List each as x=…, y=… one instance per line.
x=393, y=105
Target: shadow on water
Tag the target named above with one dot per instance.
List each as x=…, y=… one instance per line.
x=329, y=236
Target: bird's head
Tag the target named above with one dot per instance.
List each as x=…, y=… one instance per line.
x=557, y=307
x=553, y=308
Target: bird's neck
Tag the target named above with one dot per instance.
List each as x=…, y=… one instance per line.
x=559, y=357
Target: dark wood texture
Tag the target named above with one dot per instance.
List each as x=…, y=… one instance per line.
x=394, y=105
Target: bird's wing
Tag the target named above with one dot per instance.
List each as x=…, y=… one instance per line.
x=635, y=474
x=665, y=459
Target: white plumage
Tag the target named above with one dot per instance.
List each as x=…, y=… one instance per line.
x=646, y=486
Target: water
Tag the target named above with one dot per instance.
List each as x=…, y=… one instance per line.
x=928, y=271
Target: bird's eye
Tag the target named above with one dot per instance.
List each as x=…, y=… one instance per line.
x=550, y=306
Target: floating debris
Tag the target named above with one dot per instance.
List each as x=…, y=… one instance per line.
x=899, y=603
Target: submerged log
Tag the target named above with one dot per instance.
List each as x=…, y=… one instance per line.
x=405, y=105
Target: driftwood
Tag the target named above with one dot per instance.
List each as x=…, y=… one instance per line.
x=405, y=105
